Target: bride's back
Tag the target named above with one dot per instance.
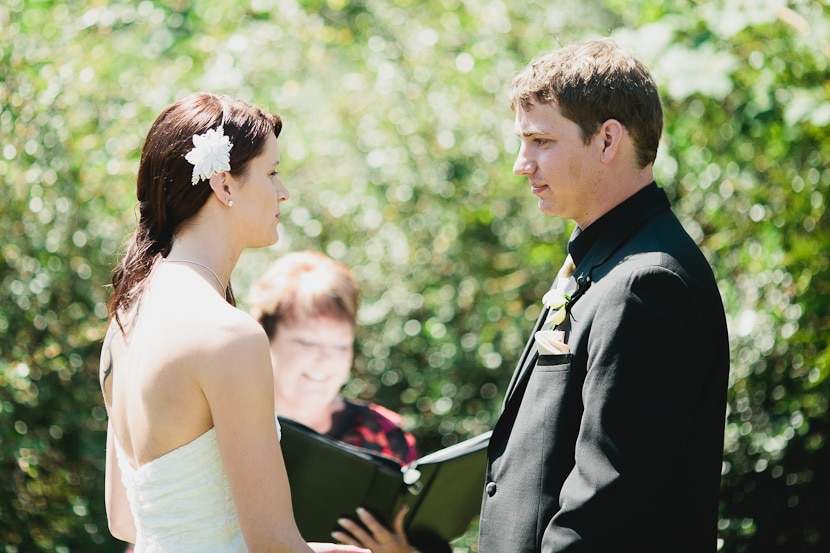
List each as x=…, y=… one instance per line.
x=165, y=442
x=155, y=399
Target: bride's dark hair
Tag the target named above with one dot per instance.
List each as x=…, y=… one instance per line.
x=166, y=198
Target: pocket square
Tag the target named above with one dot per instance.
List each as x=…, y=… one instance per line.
x=551, y=342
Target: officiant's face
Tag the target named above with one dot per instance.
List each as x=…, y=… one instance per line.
x=312, y=359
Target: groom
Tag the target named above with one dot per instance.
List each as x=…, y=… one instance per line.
x=610, y=439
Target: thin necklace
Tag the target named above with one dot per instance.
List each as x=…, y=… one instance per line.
x=222, y=286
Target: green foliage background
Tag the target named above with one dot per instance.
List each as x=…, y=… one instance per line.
x=397, y=149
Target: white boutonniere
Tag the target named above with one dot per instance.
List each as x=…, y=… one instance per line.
x=549, y=340
x=557, y=301
x=211, y=154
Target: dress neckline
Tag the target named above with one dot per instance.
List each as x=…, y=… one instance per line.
x=189, y=445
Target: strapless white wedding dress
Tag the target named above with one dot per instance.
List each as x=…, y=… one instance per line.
x=181, y=501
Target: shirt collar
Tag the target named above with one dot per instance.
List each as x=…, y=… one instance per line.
x=604, y=235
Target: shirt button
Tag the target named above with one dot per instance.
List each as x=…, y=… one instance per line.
x=491, y=489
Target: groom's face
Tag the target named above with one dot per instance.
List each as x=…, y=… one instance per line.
x=561, y=168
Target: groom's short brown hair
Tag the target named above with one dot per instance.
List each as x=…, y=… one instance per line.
x=591, y=82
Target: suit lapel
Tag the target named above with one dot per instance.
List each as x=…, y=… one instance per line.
x=527, y=359
x=531, y=352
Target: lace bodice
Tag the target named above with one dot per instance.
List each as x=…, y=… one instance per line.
x=181, y=501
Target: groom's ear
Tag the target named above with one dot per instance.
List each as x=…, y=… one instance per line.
x=611, y=132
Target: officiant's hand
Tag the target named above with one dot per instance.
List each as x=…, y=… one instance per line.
x=379, y=539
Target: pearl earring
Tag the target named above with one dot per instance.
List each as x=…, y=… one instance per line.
x=230, y=203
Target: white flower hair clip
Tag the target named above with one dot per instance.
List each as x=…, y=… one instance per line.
x=211, y=153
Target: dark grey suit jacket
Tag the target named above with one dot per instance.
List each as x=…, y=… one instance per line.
x=618, y=444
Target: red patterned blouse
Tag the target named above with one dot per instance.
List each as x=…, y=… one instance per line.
x=374, y=428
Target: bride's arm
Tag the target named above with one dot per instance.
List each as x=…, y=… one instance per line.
x=238, y=383
x=119, y=516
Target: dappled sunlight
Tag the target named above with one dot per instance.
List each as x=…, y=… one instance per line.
x=397, y=147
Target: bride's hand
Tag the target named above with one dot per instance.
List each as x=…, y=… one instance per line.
x=336, y=548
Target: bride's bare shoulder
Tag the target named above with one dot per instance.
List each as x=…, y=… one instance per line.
x=222, y=329
x=200, y=330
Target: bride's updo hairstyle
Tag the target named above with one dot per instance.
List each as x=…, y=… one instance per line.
x=166, y=197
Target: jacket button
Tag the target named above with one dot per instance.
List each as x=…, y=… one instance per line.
x=491, y=489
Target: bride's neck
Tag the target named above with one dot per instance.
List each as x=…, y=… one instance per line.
x=192, y=245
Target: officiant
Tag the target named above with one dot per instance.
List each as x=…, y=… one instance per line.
x=307, y=304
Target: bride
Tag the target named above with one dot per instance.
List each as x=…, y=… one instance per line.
x=193, y=458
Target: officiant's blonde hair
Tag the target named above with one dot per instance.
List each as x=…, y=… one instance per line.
x=303, y=285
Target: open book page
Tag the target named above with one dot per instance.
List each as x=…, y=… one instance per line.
x=455, y=450
x=444, y=489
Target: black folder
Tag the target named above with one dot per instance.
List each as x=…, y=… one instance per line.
x=330, y=479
